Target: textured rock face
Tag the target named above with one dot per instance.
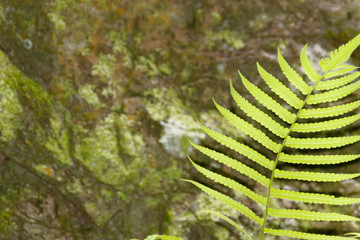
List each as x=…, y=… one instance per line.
x=94, y=139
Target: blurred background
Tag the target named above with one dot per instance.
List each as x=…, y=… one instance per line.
x=98, y=99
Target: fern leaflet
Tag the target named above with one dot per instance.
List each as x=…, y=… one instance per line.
x=334, y=95
x=310, y=215
x=338, y=82
x=329, y=111
x=317, y=159
x=302, y=235
x=340, y=72
x=315, y=176
x=293, y=76
x=312, y=197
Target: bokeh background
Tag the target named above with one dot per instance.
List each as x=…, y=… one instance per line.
x=98, y=99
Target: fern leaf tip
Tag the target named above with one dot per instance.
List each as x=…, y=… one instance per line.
x=240, y=74
x=192, y=162
x=214, y=101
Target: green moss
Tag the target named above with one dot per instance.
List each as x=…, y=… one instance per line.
x=17, y=90
x=28, y=92
x=75, y=187
x=6, y=221
x=87, y=92
x=222, y=233
x=99, y=150
x=105, y=67
x=224, y=36
x=10, y=112
x=148, y=65
x=216, y=17
x=57, y=20
x=118, y=39
x=162, y=103
x=58, y=142
x=165, y=68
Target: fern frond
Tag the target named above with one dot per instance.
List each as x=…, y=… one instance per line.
x=340, y=55
x=340, y=72
x=329, y=111
x=302, y=235
x=293, y=76
x=268, y=102
x=229, y=221
x=338, y=82
x=239, y=148
x=312, y=197
x=308, y=67
x=229, y=201
x=320, y=143
x=257, y=114
x=326, y=125
x=317, y=159
x=238, y=166
x=280, y=89
x=333, y=95
x=315, y=176
x=248, y=129
x=310, y=215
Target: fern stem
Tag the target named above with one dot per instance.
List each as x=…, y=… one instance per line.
x=277, y=158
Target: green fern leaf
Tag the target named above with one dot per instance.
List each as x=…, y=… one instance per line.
x=248, y=129
x=333, y=95
x=268, y=102
x=320, y=143
x=329, y=111
x=312, y=197
x=317, y=159
x=339, y=82
x=310, y=215
x=327, y=125
x=339, y=72
x=302, y=235
x=340, y=55
x=315, y=176
x=293, y=76
x=280, y=89
x=229, y=201
x=257, y=114
x=238, y=166
x=239, y=147
x=230, y=183
x=333, y=90
x=308, y=67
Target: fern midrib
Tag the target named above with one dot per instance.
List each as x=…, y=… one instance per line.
x=278, y=155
